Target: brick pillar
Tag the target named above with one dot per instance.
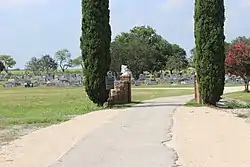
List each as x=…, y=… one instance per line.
x=126, y=92
x=127, y=79
x=129, y=90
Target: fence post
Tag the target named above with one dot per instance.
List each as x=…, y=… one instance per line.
x=196, y=90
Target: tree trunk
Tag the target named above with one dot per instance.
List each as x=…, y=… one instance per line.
x=6, y=70
x=82, y=66
x=246, y=86
x=137, y=76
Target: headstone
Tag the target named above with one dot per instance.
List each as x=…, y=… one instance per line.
x=109, y=80
x=8, y=84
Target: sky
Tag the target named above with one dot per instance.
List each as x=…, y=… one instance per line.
x=31, y=28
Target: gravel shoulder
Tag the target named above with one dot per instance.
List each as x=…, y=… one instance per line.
x=207, y=137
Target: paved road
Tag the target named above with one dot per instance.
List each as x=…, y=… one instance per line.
x=133, y=139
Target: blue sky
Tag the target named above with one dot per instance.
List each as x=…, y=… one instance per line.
x=34, y=27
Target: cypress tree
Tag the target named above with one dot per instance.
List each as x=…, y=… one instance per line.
x=95, y=46
x=209, y=20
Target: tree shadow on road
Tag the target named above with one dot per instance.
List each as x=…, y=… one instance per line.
x=137, y=104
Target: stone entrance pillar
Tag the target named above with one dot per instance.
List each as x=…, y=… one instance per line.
x=126, y=78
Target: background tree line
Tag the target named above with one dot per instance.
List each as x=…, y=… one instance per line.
x=62, y=60
x=142, y=49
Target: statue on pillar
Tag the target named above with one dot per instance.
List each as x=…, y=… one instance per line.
x=125, y=70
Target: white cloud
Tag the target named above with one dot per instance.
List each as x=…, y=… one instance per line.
x=15, y=3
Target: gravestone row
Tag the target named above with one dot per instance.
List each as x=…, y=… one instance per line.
x=76, y=80
x=47, y=80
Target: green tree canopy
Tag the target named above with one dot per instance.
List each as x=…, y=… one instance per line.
x=33, y=65
x=63, y=59
x=126, y=45
x=8, y=61
x=243, y=39
x=44, y=64
x=136, y=53
x=178, y=60
x=47, y=63
x=78, y=62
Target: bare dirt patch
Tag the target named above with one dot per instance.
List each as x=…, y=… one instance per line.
x=8, y=134
x=207, y=137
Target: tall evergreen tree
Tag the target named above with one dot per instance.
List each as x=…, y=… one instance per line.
x=209, y=50
x=95, y=46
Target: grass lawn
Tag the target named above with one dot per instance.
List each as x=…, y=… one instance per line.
x=178, y=85
x=193, y=103
x=29, y=108
x=241, y=101
x=239, y=96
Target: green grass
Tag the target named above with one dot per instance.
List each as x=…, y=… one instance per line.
x=177, y=85
x=243, y=96
x=238, y=100
x=237, y=104
x=42, y=105
x=50, y=105
x=239, y=96
x=193, y=103
x=144, y=94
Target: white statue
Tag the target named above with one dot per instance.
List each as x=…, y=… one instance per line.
x=125, y=70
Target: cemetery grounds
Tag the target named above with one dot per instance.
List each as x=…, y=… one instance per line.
x=24, y=110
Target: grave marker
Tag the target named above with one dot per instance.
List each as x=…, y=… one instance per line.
x=109, y=80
